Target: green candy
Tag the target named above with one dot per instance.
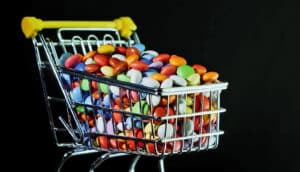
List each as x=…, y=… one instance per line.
x=80, y=109
x=185, y=71
x=85, y=85
x=123, y=77
x=189, y=101
x=144, y=105
x=193, y=79
x=103, y=88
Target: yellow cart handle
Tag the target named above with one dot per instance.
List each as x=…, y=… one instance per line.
x=32, y=25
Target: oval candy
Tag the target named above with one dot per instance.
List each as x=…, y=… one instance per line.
x=177, y=60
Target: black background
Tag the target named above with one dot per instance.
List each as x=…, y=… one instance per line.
x=253, y=45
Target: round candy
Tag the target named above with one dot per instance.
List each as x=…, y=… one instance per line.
x=156, y=65
x=85, y=85
x=90, y=54
x=63, y=58
x=193, y=79
x=178, y=80
x=106, y=49
x=159, y=77
x=101, y=59
x=107, y=71
x=152, y=52
x=141, y=47
x=177, y=60
x=123, y=77
x=168, y=70
x=80, y=67
x=168, y=83
x=143, y=105
x=150, y=82
x=162, y=57
x=199, y=69
x=73, y=60
x=165, y=131
x=185, y=71
x=120, y=57
x=135, y=76
x=76, y=95
x=153, y=99
x=103, y=88
x=100, y=124
x=210, y=76
x=91, y=68
x=188, y=126
x=139, y=65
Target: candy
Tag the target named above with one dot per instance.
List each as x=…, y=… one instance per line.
x=150, y=82
x=188, y=127
x=100, y=124
x=193, y=79
x=151, y=52
x=210, y=76
x=177, y=60
x=141, y=47
x=120, y=49
x=73, y=60
x=85, y=85
x=199, y=69
x=113, y=61
x=156, y=65
x=107, y=71
x=63, y=58
x=149, y=72
x=132, y=58
x=103, y=88
x=120, y=67
x=165, y=131
x=135, y=76
x=91, y=68
x=177, y=80
x=153, y=99
x=168, y=70
x=89, y=61
x=139, y=65
x=185, y=71
x=90, y=54
x=120, y=57
x=123, y=77
x=168, y=83
x=76, y=95
x=101, y=59
x=106, y=49
x=80, y=67
x=145, y=108
x=162, y=57
x=131, y=51
x=159, y=77
x=159, y=111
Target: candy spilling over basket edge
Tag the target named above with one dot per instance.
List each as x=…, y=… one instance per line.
x=144, y=102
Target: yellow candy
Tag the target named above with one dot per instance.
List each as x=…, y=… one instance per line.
x=189, y=101
x=189, y=110
x=193, y=79
x=148, y=128
x=132, y=58
x=177, y=60
x=107, y=71
x=106, y=49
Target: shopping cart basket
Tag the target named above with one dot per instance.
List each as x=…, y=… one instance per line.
x=114, y=116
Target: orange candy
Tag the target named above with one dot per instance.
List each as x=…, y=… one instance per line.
x=177, y=60
x=88, y=55
x=199, y=69
x=132, y=50
x=159, y=77
x=132, y=58
x=210, y=76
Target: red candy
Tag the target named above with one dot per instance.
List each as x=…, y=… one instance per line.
x=101, y=59
x=131, y=51
x=162, y=57
x=168, y=70
x=139, y=65
x=73, y=60
x=120, y=50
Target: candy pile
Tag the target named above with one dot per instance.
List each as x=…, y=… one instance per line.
x=129, y=120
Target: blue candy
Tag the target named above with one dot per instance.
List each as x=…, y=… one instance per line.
x=76, y=95
x=148, y=56
x=63, y=58
x=146, y=61
x=80, y=67
x=141, y=47
x=149, y=72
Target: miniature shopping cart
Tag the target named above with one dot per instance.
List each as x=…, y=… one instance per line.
x=85, y=124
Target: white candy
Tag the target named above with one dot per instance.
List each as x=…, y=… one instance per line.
x=165, y=131
x=119, y=56
x=135, y=76
x=152, y=52
x=178, y=80
x=168, y=83
x=114, y=90
x=188, y=127
x=150, y=82
x=89, y=61
x=100, y=124
x=154, y=100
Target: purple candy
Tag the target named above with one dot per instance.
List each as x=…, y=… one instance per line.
x=156, y=65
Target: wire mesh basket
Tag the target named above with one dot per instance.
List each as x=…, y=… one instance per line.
x=91, y=113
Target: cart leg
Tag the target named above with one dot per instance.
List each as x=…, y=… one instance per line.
x=104, y=157
x=65, y=157
x=133, y=163
x=161, y=165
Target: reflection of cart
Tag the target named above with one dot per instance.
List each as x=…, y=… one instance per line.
x=87, y=125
